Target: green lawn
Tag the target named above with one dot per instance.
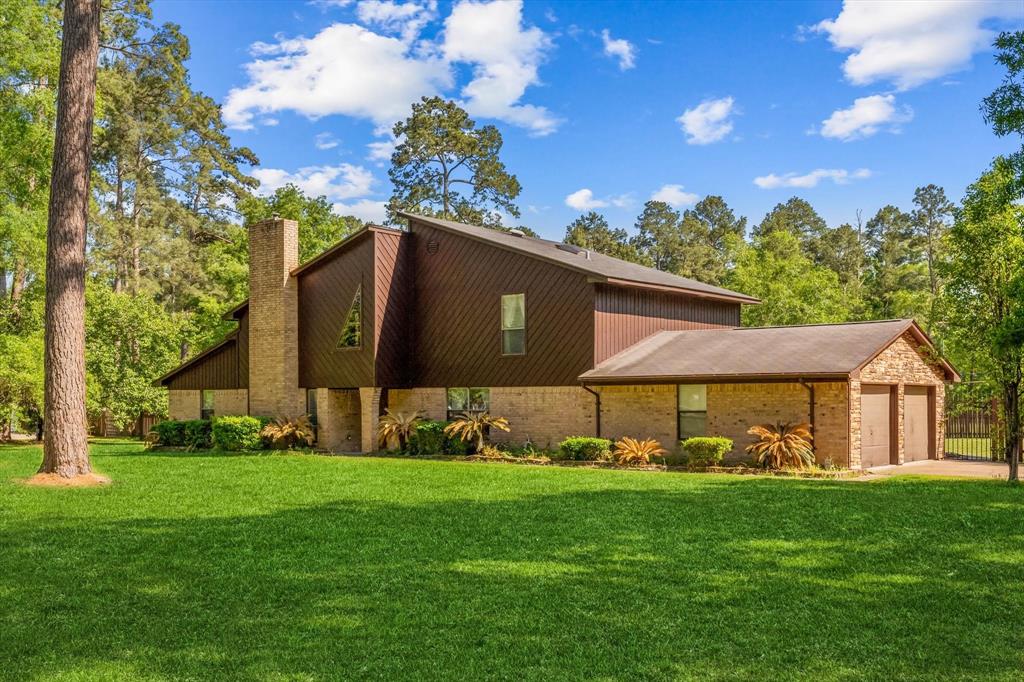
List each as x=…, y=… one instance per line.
x=307, y=568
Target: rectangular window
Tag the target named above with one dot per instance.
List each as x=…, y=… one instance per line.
x=471, y=400
x=513, y=324
x=311, y=405
x=693, y=410
x=206, y=406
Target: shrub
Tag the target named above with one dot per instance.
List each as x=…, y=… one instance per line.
x=474, y=427
x=396, y=427
x=285, y=434
x=197, y=434
x=584, y=448
x=171, y=432
x=429, y=438
x=781, y=445
x=630, y=451
x=237, y=433
x=705, y=451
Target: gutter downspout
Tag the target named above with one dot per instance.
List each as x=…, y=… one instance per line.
x=810, y=398
x=597, y=407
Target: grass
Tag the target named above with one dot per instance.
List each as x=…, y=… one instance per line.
x=298, y=567
x=975, y=447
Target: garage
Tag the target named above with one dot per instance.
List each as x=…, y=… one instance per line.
x=875, y=410
x=917, y=418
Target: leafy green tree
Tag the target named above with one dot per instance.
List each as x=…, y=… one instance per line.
x=440, y=148
x=706, y=230
x=798, y=218
x=130, y=340
x=1004, y=108
x=931, y=220
x=792, y=289
x=658, y=236
x=896, y=278
x=841, y=250
x=21, y=381
x=591, y=231
x=319, y=226
x=984, y=290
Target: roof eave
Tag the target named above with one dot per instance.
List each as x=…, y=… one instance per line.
x=229, y=339
x=716, y=296
x=610, y=380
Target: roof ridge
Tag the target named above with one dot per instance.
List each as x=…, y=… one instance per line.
x=826, y=324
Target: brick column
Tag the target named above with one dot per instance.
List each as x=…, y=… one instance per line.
x=369, y=409
x=274, y=320
x=855, y=422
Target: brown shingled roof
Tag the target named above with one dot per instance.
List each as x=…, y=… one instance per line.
x=806, y=351
x=598, y=266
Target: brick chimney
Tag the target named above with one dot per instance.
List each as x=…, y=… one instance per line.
x=274, y=320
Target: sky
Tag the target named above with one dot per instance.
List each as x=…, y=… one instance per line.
x=605, y=105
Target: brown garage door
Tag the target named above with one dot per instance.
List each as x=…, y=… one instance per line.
x=916, y=423
x=874, y=433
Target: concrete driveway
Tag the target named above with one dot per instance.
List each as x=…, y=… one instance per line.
x=941, y=467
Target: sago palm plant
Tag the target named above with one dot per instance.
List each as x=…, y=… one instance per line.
x=782, y=445
x=284, y=433
x=397, y=427
x=630, y=451
x=473, y=427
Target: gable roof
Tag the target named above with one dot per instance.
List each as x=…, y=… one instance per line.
x=795, y=352
x=598, y=267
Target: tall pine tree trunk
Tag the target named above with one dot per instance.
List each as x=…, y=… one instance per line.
x=65, y=446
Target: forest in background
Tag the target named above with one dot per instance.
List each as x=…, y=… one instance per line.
x=167, y=247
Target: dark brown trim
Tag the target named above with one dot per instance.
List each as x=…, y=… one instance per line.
x=713, y=379
x=895, y=431
x=613, y=281
x=597, y=409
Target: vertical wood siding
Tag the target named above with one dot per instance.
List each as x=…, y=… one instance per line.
x=393, y=298
x=243, y=350
x=325, y=295
x=457, y=312
x=624, y=316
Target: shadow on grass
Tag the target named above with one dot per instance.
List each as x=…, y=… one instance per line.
x=724, y=578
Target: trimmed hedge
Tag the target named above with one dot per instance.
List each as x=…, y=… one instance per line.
x=585, y=448
x=429, y=438
x=171, y=432
x=237, y=433
x=705, y=451
x=197, y=434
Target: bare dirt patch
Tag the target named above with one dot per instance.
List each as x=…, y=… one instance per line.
x=55, y=481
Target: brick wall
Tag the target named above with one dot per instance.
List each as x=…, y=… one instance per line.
x=734, y=408
x=640, y=412
x=369, y=417
x=544, y=415
x=182, y=404
x=273, y=320
x=431, y=402
x=904, y=362
x=338, y=420
x=230, y=402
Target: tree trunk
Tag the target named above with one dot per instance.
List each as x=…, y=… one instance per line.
x=65, y=444
x=1011, y=398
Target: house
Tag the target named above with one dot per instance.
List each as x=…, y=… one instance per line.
x=445, y=318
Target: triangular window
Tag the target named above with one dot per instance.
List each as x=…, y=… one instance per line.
x=352, y=329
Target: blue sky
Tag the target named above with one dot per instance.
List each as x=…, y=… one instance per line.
x=603, y=105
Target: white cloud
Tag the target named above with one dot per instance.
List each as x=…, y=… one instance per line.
x=364, y=209
x=344, y=69
x=351, y=70
x=622, y=200
x=325, y=141
x=381, y=150
x=865, y=118
x=337, y=183
x=620, y=49
x=404, y=19
x=837, y=175
x=505, y=59
x=910, y=43
x=673, y=195
x=584, y=200
x=708, y=121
